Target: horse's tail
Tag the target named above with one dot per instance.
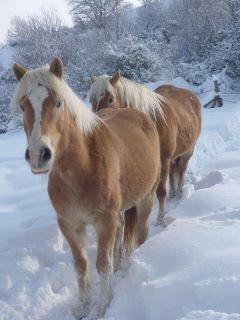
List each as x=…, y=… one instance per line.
x=130, y=217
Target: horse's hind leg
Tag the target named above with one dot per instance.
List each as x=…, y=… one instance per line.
x=144, y=209
x=161, y=190
x=118, y=248
x=182, y=166
x=173, y=178
x=77, y=240
x=130, y=219
x=106, y=228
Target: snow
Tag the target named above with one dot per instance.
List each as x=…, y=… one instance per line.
x=188, y=271
x=6, y=57
x=179, y=82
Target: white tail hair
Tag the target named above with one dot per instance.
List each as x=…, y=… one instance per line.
x=85, y=120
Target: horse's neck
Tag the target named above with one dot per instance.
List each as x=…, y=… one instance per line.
x=129, y=103
x=73, y=148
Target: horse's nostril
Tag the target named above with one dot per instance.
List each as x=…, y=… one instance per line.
x=46, y=154
x=27, y=156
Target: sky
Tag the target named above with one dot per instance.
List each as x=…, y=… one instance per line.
x=23, y=8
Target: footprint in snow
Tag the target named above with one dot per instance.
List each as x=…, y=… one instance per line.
x=213, y=178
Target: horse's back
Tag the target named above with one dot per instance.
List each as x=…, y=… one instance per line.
x=180, y=98
x=132, y=129
x=183, y=103
x=128, y=122
x=170, y=91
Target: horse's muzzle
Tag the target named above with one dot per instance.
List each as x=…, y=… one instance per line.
x=39, y=161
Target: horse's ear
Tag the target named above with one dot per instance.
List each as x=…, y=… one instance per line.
x=115, y=78
x=93, y=78
x=56, y=67
x=18, y=71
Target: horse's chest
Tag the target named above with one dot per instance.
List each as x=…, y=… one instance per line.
x=77, y=216
x=74, y=202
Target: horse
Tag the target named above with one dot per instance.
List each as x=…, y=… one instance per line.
x=177, y=114
x=96, y=168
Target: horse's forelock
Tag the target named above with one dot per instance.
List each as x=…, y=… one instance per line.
x=24, y=88
x=99, y=88
x=84, y=118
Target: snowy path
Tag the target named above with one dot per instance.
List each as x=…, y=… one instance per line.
x=188, y=271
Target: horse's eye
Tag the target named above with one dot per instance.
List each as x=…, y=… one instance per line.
x=59, y=104
x=111, y=100
x=22, y=107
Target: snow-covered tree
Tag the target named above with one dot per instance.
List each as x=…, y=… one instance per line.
x=39, y=38
x=100, y=14
x=230, y=46
x=195, y=26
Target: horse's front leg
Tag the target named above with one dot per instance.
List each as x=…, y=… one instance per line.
x=106, y=228
x=77, y=240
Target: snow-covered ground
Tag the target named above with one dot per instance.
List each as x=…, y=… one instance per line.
x=189, y=271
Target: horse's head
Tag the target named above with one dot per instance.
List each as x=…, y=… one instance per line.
x=43, y=113
x=103, y=92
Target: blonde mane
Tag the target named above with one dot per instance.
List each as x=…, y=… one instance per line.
x=131, y=94
x=85, y=120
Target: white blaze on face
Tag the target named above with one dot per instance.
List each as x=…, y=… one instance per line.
x=35, y=140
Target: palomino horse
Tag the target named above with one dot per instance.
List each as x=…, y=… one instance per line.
x=177, y=113
x=96, y=164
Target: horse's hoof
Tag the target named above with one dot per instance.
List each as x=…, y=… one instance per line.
x=160, y=223
x=78, y=315
x=179, y=196
x=172, y=195
x=82, y=310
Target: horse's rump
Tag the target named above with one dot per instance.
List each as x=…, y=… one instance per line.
x=184, y=103
x=183, y=115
